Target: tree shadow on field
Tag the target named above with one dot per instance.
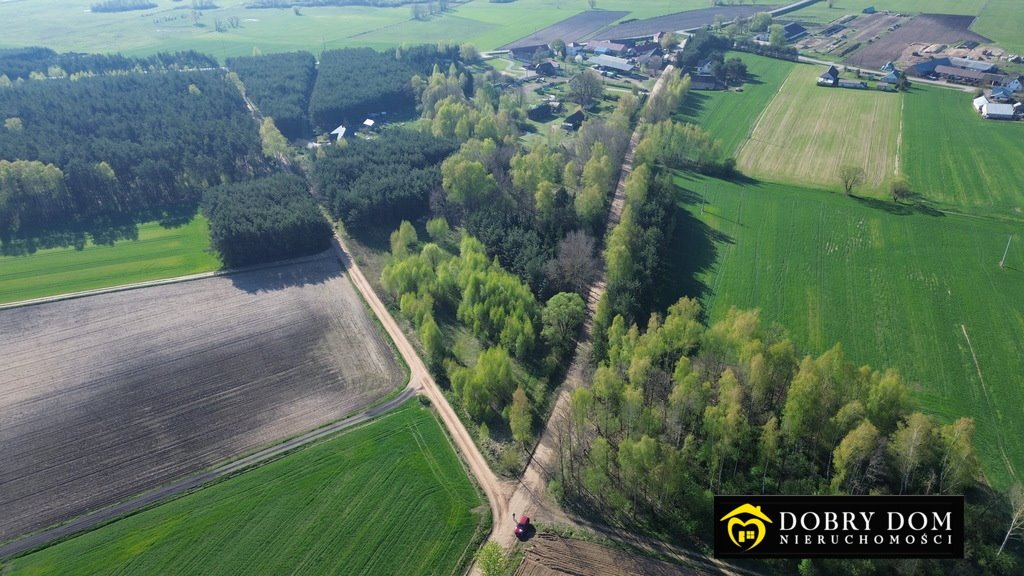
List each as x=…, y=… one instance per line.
x=693, y=104
x=916, y=204
x=692, y=252
x=318, y=269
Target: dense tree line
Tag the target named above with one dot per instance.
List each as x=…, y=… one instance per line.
x=700, y=46
x=682, y=146
x=265, y=219
x=636, y=249
x=354, y=82
x=679, y=411
x=121, y=5
x=378, y=183
x=280, y=85
x=18, y=63
x=124, y=147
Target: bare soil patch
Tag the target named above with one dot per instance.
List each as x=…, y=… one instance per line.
x=572, y=29
x=548, y=555
x=925, y=29
x=679, y=21
x=107, y=396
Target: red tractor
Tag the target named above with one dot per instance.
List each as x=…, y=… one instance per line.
x=522, y=526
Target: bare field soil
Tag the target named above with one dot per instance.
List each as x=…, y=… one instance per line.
x=549, y=555
x=926, y=29
x=108, y=396
x=679, y=21
x=572, y=29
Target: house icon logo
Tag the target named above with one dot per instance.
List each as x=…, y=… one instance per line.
x=746, y=526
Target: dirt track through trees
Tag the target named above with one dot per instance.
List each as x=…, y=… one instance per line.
x=107, y=396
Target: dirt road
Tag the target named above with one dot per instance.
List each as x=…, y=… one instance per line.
x=497, y=492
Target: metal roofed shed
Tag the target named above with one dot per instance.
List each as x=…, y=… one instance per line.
x=972, y=64
x=603, y=61
x=997, y=111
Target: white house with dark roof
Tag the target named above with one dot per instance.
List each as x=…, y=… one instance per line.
x=830, y=77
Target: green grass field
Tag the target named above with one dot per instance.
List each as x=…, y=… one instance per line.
x=390, y=497
x=730, y=116
x=1002, y=21
x=896, y=289
x=955, y=157
x=70, y=26
x=809, y=132
x=158, y=253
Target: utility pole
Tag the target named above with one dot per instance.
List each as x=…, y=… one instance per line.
x=1005, y=252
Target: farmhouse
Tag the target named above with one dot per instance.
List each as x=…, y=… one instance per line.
x=606, y=47
x=611, y=63
x=1001, y=94
x=793, y=31
x=892, y=77
x=574, y=120
x=705, y=82
x=547, y=68
x=1016, y=85
x=829, y=78
x=704, y=66
x=997, y=111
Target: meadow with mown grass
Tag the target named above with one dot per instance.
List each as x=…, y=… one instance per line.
x=809, y=132
x=898, y=286
x=390, y=497
x=159, y=252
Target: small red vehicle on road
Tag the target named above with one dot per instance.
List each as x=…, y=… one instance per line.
x=522, y=526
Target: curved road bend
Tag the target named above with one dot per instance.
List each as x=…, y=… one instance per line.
x=104, y=515
x=497, y=491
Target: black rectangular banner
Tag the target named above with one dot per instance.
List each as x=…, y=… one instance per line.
x=839, y=526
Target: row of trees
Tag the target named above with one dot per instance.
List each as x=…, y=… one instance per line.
x=280, y=85
x=123, y=147
x=378, y=183
x=264, y=220
x=121, y=5
x=680, y=146
x=21, y=63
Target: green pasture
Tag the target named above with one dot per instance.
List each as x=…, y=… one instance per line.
x=1002, y=21
x=808, y=133
x=729, y=115
x=896, y=285
x=70, y=26
x=390, y=497
x=159, y=252
x=955, y=157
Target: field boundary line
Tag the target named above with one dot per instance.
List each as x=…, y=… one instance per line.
x=160, y=282
x=750, y=133
x=188, y=484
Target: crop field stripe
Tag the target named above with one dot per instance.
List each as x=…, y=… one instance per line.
x=158, y=253
x=894, y=289
x=366, y=501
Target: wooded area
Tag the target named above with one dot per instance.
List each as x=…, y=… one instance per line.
x=355, y=82
x=18, y=63
x=279, y=85
x=89, y=153
x=264, y=220
x=380, y=182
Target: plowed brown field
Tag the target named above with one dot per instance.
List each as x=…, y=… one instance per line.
x=111, y=395
x=553, y=556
